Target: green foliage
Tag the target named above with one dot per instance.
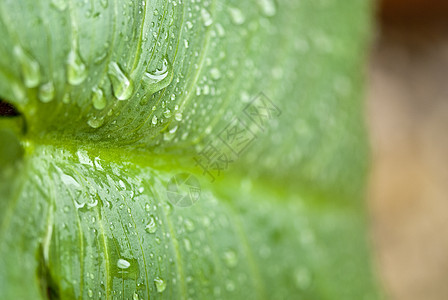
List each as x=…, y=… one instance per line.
x=116, y=97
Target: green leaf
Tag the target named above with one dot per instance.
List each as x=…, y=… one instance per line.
x=119, y=99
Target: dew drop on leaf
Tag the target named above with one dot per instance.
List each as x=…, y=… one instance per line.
x=151, y=227
x=187, y=245
x=236, y=15
x=90, y=293
x=123, y=264
x=30, y=68
x=189, y=225
x=230, y=258
x=59, y=4
x=160, y=284
x=95, y=122
x=154, y=120
x=267, y=7
x=46, y=92
x=104, y=3
x=98, y=99
x=215, y=73
x=178, y=116
x=76, y=69
x=122, y=86
x=206, y=17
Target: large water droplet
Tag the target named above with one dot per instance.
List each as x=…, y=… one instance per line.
x=206, y=17
x=122, y=86
x=158, y=79
x=160, y=284
x=98, y=99
x=151, y=227
x=76, y=70
x=46, y=92
x=267, y=7
x=30, y=68
x=236, y=16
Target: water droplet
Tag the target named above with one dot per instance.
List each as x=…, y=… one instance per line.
x=154, y=120
x=151, y=227
x=206, y=17
x=95, y=122
x=123, y=264
x=159, y=79
x=215, y=73
x=220, y=29
x=147, y=207
x=236, y=15
x=267, y=7
x=76, y=70
x=189, y=225
x=302, y=278
x=178, y=116
x=230, y=258
x=122, y=86
x=135, y=296
x=160, y=284
x=30, y=68
x=90, y=293
x=104, y=3
x=189, y=25
x=187, y=244
x=66, y=98
x=167, y=113
x=46, y=92
x=186, y=44
x=98, y=99
x=59, y=4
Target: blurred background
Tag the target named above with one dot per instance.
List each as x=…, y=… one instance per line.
x=407, y=111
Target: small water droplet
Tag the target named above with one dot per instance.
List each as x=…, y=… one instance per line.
x=122, y=86
x=178, y=116
x=267, y=7
x=215, y=73
x=186, y=44
x=151, y=227
x=236, y=16
x=66, y=98
x=59, y=4
x=90, y=293
x=76, y=70
x=187, y=244
x=206, y=17
x=30, y=68
x=189, y=25
x=95, y=122
x=104, y=3
x=230, y=258
x=148, y=207
x=135, y=296
x=98, y=99
x=160, y=284
x=46, y=92
x=123, y=264
x=167, y=113
x=154, y=120
x=189, y=225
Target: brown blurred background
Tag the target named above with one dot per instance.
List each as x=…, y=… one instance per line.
x=408, y=120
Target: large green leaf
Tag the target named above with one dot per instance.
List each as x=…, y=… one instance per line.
x=117, y=97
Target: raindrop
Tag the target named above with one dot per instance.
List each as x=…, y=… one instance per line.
x=237, y=16
x=189, y=225
x=135, y=296
x=189, y=25
x=104, y=3
x=46, y=92
x=151, y=227
x=90, y=293
x=158, y=79
x=186, y=44
x=147, y=207
x=30, y=68
x=154, y=120
x=122, y=86
x=187, y=244
x=160, y=284
x=206, y=17
x=98, y=99
x=178, y=116
x=76, y=70
x=167, y=113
